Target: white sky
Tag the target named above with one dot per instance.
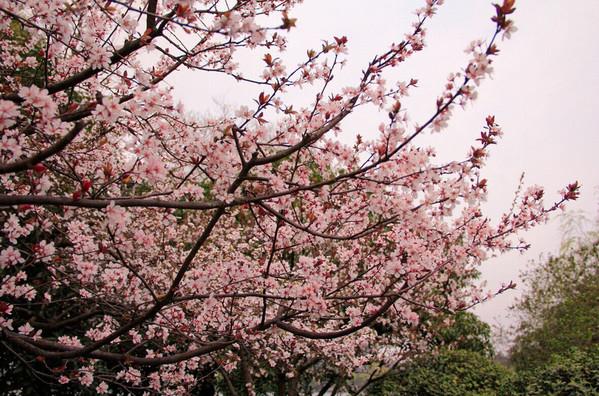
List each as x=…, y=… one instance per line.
x=544, y=94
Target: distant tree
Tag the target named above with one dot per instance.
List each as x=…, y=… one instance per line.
x=464, y=366
x=560, y=308
x=468, y=333
x=575, y=373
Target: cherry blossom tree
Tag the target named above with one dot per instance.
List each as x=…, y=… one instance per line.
x=148, y=250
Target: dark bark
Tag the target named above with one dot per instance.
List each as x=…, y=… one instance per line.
x=206, y=388
x=327, y=385
x=281, y=384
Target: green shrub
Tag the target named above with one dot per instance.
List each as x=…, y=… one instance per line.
x=450, y=373
x=573, y=374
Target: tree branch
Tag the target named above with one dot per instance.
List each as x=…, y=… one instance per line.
x=58, y=146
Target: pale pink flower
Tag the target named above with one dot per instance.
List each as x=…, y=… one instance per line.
x=40, y=99
x=87, y=378
x=110, y=110
x=102, y=389
x=153, y=168
x=45, y=250
x=10, y=256
x=116, y=216
x=8, y=113
x=26, y=329
x=6, y=323
x=11, y=145
x=99, y=57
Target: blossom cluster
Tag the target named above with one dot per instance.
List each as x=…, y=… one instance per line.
x=136, y=233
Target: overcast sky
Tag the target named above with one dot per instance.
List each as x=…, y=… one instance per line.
x=544, y=94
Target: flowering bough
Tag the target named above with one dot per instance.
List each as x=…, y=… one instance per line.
x=145, y=250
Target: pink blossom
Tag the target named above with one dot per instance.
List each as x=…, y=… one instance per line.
x=86, y=378
x=8, y=113
x=11, y=145
x=131, y=375
x=26, y=329
x=10, y=256
x=39, y=98
x=153, y=168
x=6, y=323
x=116, y=216
x=99, y=57
x=45, y=250
x=102, y=388
x=109, y=110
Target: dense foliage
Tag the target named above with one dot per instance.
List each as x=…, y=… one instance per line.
x=560, y=308
x=469, y=369
x=463, y=372
x=451, y=373
x=467, y=332
x=575, y=373
x=463, y=366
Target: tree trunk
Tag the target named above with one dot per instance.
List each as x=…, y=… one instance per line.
x=281, y=388
x=293, y=385
x=246, y=374
x=326, y=386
